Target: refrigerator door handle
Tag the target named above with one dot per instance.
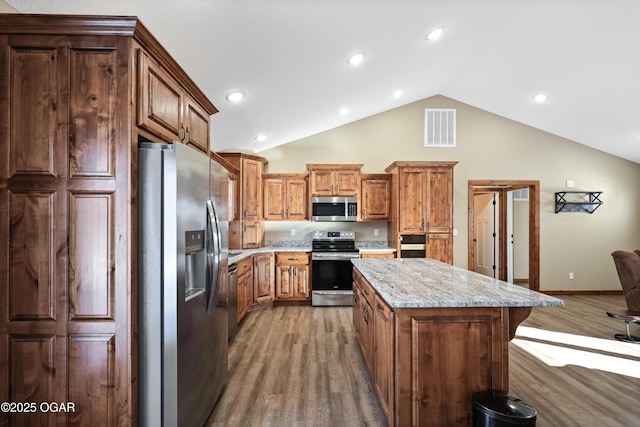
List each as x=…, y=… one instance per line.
x=214, y=256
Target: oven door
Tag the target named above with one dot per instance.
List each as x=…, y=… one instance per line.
x=331, y=274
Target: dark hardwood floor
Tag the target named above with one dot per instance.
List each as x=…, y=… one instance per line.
x=301, y=366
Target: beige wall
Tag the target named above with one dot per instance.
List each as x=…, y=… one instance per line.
x=492, y=147
x=6, y=8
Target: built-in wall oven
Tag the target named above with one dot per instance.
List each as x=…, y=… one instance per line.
x=331, y=269
x=413, y=246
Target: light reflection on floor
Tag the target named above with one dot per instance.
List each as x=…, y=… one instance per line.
x=561, y=349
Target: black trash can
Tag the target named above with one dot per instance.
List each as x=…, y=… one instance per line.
x=494, y=408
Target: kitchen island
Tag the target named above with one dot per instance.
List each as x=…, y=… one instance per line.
x=432, y=334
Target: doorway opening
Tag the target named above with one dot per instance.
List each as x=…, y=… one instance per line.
x=496, y=246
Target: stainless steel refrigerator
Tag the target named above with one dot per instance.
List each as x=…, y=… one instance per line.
x=183, y=258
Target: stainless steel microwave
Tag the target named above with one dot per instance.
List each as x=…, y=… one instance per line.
x=334, y=209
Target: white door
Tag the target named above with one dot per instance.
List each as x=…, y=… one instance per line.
x=486, y=238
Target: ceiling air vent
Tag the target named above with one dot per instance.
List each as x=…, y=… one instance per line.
x=440, y=127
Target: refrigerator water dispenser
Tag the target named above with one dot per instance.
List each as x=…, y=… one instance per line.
x=195, y=259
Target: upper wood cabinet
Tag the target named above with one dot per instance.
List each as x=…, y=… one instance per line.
x=196, y=124
x=422, y=203
x=69, y=98
x=375, y=197
x=249, y=197
x=165, y=109
x=285, y=196
x=334, y=179
x=424, y=196
x=246, y=230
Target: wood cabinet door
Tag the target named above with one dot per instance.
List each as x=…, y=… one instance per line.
x=321, y=182
x=245, y=294
x=64, y=260
x=297, y=200
x=251, y=195
x=283, y=285
x=263, y=277
x=252, y=234
x=439, y=192
x=301, y=288
x=412, y=201
x=196, y=124
x=159, y=100
x=440, y=247
x=375, y=199
x=346, y=182
x=384, y=327
x=357, y=319
x=274, y=199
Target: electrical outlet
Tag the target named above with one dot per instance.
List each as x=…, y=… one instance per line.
x=375, y=232
x=571, y=276
x=293, y=231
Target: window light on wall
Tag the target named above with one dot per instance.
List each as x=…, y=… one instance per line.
x=440, y=127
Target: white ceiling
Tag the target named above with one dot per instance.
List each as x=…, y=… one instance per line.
x=289, y=57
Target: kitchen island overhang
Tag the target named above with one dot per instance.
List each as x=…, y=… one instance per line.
x=433, y=334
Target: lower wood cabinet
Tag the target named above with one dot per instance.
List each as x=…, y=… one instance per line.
x=263, y=284
x=245, y=286
x=292, y=280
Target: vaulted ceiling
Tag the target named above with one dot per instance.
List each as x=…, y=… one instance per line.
x=289, y=58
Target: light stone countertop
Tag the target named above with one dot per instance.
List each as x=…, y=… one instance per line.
x=244, y=253
x=427, y=283
x=299, y=246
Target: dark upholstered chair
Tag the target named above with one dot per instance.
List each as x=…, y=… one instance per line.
x=628, y=267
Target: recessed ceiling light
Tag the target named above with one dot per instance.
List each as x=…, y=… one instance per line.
x=398, y=94
x=541, y=97
x=356, y=59
x=261, y=137
x=343, y=111
x=435, y=34
x=236, y=96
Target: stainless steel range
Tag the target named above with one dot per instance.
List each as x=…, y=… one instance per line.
x=331, y=270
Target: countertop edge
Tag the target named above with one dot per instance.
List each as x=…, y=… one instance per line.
x=515, y=296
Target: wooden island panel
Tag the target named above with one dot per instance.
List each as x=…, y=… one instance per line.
x=444, y=356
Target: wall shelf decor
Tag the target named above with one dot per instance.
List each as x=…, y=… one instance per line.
x=578, y=201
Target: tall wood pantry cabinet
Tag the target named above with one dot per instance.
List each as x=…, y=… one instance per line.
x=422, y=204
x=76, y=94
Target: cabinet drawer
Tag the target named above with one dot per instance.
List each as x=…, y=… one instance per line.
x=365, y=288
x=367, y=291
x=292, y=258
x=377, y=254
x=245, y=266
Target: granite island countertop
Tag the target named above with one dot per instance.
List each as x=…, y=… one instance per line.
x=427, y=283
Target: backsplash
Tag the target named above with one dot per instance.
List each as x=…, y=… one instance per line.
x=278, y=231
